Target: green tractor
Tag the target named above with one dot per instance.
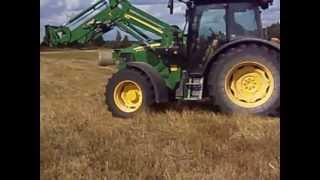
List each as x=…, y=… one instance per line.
x=220, y=55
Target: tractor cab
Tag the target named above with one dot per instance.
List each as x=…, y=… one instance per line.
x=214, y=23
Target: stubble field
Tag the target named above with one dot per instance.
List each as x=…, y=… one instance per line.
x=81, y=140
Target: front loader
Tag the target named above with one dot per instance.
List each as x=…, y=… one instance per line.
x=221, y=56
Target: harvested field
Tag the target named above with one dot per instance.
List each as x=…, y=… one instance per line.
x=80, y=140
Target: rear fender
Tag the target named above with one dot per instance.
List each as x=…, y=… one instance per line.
x=234, y=43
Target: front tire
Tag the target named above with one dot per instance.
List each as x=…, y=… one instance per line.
x=246, y=79
x=128, y=92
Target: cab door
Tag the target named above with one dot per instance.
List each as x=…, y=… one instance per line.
x=207, y=30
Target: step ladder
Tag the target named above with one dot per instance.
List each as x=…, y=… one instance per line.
x=190, y=88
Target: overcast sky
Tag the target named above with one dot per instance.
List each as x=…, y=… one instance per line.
x=57, y=12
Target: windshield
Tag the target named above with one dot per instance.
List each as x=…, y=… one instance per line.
x=243, y=20
x=212, y=23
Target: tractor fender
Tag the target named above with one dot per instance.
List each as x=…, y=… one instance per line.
x=159, y=86
x=275, y=46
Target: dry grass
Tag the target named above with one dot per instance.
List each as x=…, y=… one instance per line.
x=81, y=140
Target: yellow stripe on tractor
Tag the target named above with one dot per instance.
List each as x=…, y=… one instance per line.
x=128, y=16
x=155, y=45
x=141, y=48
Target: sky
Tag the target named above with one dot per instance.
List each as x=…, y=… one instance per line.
x=57, y=12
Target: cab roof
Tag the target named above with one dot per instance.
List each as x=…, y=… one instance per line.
x=263, y=3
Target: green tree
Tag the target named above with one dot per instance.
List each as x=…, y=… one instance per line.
x=117, y=42
x=118, y=37
x=99, y=41
x=272, y=31
x=125, y=41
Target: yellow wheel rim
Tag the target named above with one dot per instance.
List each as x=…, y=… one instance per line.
x=249, y=84
x=128, y=96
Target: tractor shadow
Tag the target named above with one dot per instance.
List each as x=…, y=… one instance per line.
x=204, y=105
x=180, y=106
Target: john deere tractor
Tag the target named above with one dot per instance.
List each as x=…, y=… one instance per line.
x=220, y=55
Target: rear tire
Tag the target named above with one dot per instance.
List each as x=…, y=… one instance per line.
x=128, y=92
x=246, y=79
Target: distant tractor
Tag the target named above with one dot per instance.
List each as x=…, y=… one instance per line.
x=222, y=57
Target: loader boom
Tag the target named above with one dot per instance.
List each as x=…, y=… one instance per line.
x=102, y=17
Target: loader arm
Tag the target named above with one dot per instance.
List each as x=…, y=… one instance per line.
x=102, y=17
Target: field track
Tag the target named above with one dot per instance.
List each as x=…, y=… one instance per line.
x=80, y=140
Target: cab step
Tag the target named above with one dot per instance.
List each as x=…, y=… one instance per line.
x=190, y=88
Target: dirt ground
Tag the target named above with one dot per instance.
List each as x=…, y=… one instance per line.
x=81, y=140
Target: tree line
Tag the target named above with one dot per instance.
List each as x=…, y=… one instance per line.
x=272, y=31
x=118, y=42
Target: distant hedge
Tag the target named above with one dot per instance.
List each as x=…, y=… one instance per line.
x=269, y=32
x=272, y=31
